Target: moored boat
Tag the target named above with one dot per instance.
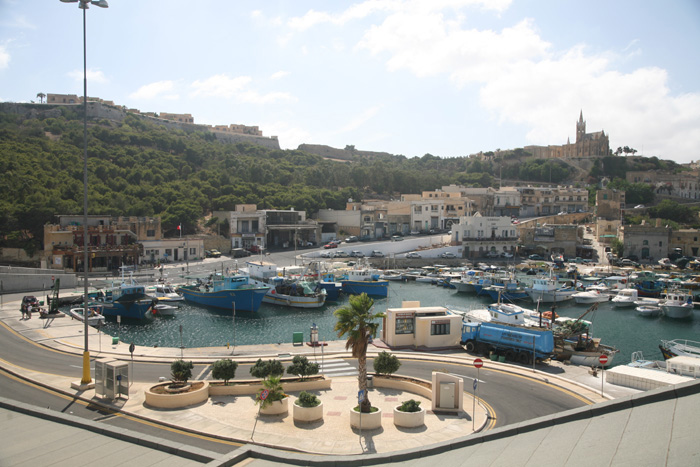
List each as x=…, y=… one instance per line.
x=95, y=316
x=363, y=279
x=126, y=300
x=165, y=293
x=163, y=309
x=650, y=311
x=226, y=292
x=286, y=291
x=679, y=348
x=677, y=304
x=546, y=289
x=625, y=298
x=590, y=296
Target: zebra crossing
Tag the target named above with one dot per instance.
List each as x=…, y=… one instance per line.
x=336, y=367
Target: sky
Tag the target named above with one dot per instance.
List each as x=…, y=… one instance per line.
x=411, y=77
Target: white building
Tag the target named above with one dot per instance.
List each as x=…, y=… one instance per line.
x=481, y=235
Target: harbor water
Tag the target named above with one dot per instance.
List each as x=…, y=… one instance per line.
x=208, y=327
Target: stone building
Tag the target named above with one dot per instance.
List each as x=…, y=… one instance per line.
x=546, y=201
x=650, y=242
x=688, y=240
x=479, y=235
x=587, y=145
x=682, y=184
x=546, y=240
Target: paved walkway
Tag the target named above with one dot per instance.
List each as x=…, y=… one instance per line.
x=235, y=417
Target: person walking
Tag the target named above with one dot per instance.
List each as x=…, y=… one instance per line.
x=29, y=311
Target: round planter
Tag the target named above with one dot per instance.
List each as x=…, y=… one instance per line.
x=370, y=421
x=276, y=408
x=307, y=414
x=176, y=400
x=409, y=419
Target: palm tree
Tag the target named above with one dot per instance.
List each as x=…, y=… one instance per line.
x=41, y=96
x=359, y=325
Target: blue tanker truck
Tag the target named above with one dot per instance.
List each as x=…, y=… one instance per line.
x=515, y=343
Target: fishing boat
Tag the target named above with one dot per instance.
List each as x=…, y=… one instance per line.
x=546, y=289
x=286, y=291
x=95, y=316
x=573, y=342
x=625, y=298
x=509, y=292
x=391, y=276
x=677, y=304
x=126, y=300
x=466, y=283
x=649, y=311
x=679, y=348
x=590, y=296
x=165, y=293
x=363, y=279
x=226, y=292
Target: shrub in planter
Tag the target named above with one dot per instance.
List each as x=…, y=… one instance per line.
x=263, y=369
x=302, y=368
x=224, y=369
x=386, y=363
x=308, y=400
x=180, y=372
x=275, y=392
x=410, y=406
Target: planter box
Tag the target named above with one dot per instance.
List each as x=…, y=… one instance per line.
x=277, y=407
x=241, y=388
x=370, y=421
x=409, y=419
x=176, y=401
x=407, y=386
x=307, y=414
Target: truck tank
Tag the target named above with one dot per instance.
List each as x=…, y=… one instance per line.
x=514, y=342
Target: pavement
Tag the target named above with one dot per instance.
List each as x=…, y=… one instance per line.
x=236, y=418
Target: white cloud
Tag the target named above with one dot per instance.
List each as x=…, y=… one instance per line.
x=223, y=86
x=153, y=90
x=290, y=136
x=93, y=76
x=359, y=120
x=279, y=75
x=4, y=57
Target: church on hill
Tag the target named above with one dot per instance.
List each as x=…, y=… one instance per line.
x=587, y=145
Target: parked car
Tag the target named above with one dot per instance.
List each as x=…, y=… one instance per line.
x=255, y=249
x=634, y=258
x=357, y=254
x=628, y=263
x=240, y=253
x=214, y=253
x=448, y=254
x=330, y=245
x=396, y=238
x=535, y=258
x=352, y=239
x=414, y=232
x=339, y=254
x=326, y=254
x=413, y=254
x=639, y=206
x=506, y=254
x=492, y=254
x=377, y=254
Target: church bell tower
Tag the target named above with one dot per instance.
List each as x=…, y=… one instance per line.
x=580, y=128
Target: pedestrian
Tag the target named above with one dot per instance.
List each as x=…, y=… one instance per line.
x=29, y=311
x=23, y=309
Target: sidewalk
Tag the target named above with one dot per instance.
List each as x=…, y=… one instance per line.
x=235, y=417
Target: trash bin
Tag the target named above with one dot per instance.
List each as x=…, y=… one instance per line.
x=115, y=340
x=370, y=381
x=502, y=358
x=494, y=357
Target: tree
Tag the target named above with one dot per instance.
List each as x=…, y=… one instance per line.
x=302, y=367
x=386, y=363
x=617, y=247
x=41, y=96
x=263, y=369
x=181, y=371
x=360, y=326
x=224, y=369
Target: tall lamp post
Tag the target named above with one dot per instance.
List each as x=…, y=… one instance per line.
x=84, y=5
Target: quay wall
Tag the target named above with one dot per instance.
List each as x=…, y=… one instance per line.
x=17, y=280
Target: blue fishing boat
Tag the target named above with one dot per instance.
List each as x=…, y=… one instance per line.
x=363, y=279
x=226, y=292
x=126, y=300
x=509, y=292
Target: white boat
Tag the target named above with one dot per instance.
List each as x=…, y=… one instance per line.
x=678, y=304
x=165, y=293
x=648, y=310
x=546, y=289
x=468, y=280
x=163, y=309
x=590, y=296
x=95, y=317
x=680, y=348
x=391, y=276
x=625, y=298
x=283, y=291
x=506, y=313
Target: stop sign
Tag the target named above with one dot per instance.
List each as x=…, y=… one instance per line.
x=603, y=359
x=478, y=363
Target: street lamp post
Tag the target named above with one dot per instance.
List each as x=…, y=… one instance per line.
x=84, y=5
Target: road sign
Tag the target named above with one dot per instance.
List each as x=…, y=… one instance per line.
x=264, y=394
x=132, y=347
x=475, y=385
x=360, y=396
x=603, y=359
x=478, y=363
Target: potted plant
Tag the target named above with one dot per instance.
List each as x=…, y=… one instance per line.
x=276, y=401
x=302, y=368
x=180, y=372
x=360, y=326
x=409, y=414
x=307, y=408
x=224, y=369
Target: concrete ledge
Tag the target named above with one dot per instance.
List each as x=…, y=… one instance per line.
x=366, y=421
x=380, y=381
x=276, y=407
x=248, y=387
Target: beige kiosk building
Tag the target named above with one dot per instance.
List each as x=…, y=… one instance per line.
x=416, y=326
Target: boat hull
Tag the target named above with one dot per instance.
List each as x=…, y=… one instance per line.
x=244, y=299
x=677, y=312
x=648, y=310
x=371, y=288
x=550, y=296
x=140, y=309
x=332, y=289
x=274, y=298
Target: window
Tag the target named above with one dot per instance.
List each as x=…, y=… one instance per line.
x=150, y=233
x=404, y=325
x=645, y=242
x=193, y=251
x=439, y=328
